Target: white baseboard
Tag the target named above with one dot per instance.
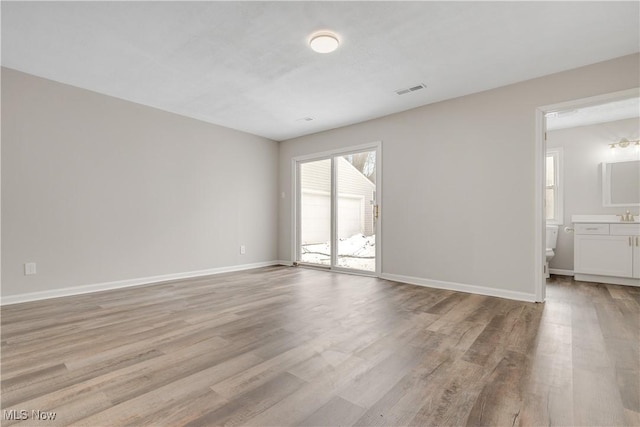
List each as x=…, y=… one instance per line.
x=607, y=279
x=561, y=272
x=86, y=289
x=461, y=287
x=98, y=287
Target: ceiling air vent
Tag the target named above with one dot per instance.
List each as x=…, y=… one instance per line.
x=411, y=89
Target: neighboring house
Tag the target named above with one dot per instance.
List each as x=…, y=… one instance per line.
x=356, y=197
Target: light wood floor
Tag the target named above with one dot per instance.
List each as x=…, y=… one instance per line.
x=293, y=346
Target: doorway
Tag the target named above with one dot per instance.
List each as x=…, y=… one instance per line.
x=337, y=210
x=571, y=111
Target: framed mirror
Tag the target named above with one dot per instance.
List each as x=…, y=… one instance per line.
x=621, y=183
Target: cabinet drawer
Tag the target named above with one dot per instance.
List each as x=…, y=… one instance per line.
x=591, y=228
x=625, y=229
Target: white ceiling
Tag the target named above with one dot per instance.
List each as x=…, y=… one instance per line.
x=602, y=113
x=247, y=65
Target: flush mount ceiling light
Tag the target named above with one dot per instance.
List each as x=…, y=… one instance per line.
x=324, y=42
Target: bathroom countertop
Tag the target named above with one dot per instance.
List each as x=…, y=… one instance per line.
x=608, y=219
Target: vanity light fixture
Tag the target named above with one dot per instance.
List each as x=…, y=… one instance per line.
x=324, y=41
x=624, y=143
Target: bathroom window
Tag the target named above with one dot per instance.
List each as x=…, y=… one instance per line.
x=553, y=195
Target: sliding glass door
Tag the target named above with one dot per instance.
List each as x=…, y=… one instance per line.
x=337, y=211
x=315, y=212
x=355, y=211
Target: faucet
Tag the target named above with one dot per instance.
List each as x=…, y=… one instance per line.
x=627, y=217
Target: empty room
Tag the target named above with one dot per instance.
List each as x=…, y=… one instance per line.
x=419, y=213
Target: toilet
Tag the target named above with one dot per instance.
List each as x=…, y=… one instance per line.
x=552, y=239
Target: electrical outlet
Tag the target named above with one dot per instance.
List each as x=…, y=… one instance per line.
x=29, y=268
x=243, y=250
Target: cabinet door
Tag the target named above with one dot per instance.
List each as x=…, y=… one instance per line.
x=603, y=255
x=636, y=258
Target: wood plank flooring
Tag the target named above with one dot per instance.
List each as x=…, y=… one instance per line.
x=293, y=346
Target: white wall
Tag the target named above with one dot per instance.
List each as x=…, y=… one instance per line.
x=458, y=183
x=96, y=189
x=584, y=149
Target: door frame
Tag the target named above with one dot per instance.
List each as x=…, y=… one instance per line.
x=539, y=174
x=295, y=204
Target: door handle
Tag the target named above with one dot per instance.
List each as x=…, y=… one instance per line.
x=637, y=241
x=376, y=211
x=630, y=241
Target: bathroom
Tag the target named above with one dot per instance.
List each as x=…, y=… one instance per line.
x=579, y=142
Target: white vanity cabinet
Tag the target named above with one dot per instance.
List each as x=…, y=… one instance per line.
x=607, y=252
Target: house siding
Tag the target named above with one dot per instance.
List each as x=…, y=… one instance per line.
x=316, y=182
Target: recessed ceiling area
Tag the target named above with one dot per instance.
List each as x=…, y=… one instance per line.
x=248, y=65
x=601, y=113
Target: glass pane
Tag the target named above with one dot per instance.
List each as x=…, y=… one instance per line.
x=315, y=212
x=355, y=221
x=550, y=201
x=550, y=171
